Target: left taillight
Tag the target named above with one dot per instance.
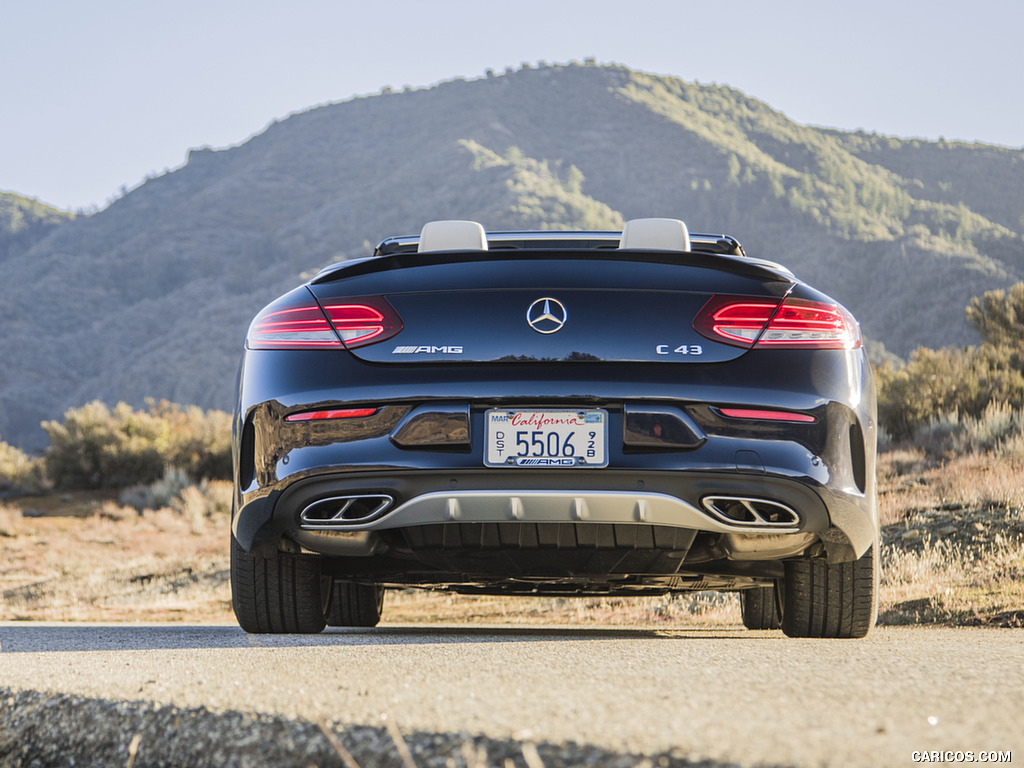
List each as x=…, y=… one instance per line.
x=332, y=414
x=298, y=321
x=765, y=323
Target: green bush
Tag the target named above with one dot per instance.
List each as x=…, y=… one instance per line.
x=198, y=441
x=96, y=447
x=19, y=472
x=936, y=382
x=999, y=317
x=953, y=385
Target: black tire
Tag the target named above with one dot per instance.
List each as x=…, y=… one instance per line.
x=823, y=600
x=355, y=605
x=283, y=594
x=760, y=608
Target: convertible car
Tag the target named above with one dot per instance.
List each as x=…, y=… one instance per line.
x=549, y=413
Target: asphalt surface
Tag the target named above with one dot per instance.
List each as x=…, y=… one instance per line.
x=726, y=695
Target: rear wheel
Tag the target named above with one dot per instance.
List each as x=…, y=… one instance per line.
x=760, y=608
x=280, y=594
x=831, y=600
x=355, y=605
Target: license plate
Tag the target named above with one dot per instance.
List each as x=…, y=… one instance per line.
x=555, y=438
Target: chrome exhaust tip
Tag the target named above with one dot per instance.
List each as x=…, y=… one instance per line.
x=341, y=511
x=751, y=512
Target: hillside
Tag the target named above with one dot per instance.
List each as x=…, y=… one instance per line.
x=24, y=222
x=152, y=296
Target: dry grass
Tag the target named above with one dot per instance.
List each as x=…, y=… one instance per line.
x=953, y=538
x=951, y=583
x=911, y=483
x=703, y=609
x=952, y=553
x=113, y=565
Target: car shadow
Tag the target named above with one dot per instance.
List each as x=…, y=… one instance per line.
x=67, y=638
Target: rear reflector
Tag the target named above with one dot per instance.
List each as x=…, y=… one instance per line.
x=297, y=322
x=344, y=413
x=761, y=415
x=744, y=321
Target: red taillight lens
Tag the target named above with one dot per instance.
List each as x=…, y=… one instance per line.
x=300, y=323
x=742, y=321
x=752, y=414
x=293, y=328
x=734, y=319
x=341, y=413
x=801, y=323
x=359, y=324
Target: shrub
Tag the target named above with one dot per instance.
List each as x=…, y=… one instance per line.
x=19, y=472
x=197, y=503
x=999, y=316
x=962, y=381
x=198, y=441
x=936, y=382
x=158, y=494
x=998, y=430
x=174, y=491
x=96, y=447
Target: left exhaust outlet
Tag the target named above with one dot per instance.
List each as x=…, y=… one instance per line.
x=340, y=511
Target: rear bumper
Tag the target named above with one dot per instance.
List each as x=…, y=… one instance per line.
x=678, y=499
x=823, y=472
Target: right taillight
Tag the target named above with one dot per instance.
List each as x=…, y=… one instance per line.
x=745, y=322
x=297, y=321
x=802, y=323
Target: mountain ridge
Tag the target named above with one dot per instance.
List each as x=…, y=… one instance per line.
x=24, y=221
x=161, y=284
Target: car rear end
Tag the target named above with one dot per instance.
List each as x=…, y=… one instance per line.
x=556, y=421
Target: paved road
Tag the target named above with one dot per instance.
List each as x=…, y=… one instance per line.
x=724, y=694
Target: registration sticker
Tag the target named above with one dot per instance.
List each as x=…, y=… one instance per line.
x=559, y=438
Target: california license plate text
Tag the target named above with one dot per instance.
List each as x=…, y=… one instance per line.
x=556, y=438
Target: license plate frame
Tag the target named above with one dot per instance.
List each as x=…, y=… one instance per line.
x=546, y=438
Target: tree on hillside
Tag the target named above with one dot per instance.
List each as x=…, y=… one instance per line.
x=999, y=316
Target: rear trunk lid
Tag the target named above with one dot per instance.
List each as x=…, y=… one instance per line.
x=516, y=309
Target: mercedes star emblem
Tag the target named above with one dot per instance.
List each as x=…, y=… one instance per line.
x=547, y=315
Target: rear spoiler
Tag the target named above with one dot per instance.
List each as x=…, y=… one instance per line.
x=570, y=240
x=409, y=258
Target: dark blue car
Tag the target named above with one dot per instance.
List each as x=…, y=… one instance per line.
x=555, y=413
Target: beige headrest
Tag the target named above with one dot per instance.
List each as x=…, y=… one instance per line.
x=452, y=236
x=655, y=235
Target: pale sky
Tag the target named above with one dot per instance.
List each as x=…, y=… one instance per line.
x=97, y=95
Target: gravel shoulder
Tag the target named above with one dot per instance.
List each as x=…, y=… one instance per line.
x=95, y=732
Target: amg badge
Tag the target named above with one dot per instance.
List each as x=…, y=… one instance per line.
x=450, y=349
